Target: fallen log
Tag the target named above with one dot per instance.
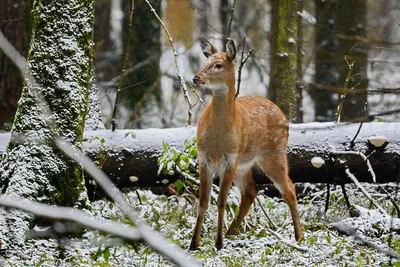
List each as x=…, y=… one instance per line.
x=127, y=154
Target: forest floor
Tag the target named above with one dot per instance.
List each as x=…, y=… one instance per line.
x=174, y=216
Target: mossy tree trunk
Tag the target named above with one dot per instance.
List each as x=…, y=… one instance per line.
x=53, y=103
x=326, y=72
x=283, y=64
x=352, y=30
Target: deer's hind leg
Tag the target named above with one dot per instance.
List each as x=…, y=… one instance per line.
x=275, y=167
x=248, y=190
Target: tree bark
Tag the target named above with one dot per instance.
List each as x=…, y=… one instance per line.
x=53, y=104
x=283, y=70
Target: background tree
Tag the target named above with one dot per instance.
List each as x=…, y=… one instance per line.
x=323, y=92
x=352, y=30
x=283, y=65
x=53, y=103
x=12, y=25
x=141, y=85
x=108, y=55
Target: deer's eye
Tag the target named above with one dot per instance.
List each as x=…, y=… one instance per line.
x=218, y=66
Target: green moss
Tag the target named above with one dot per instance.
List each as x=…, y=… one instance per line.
x=284, y=57
x=287, y=50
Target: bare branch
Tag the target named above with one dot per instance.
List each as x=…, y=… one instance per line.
x=178, y=73
x=242, y=62
x=271, y=222
x=366, y=194
x=343, y=96
x=231, y=18
x=287, y=242
x=128, y=42
x=362, y=155
x=352, y=142
x=74, y=215
x=197, y=95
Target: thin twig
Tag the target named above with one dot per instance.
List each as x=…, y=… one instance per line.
x=197, y=95
x=362, y=155
x=393, y=200
x=287, y=242
x=128, y=42
x=178, y=73
x=365, y=193
x=352, y=142
x=242, y=62
x=343, y=96
x=231, y=18
x=271, y=222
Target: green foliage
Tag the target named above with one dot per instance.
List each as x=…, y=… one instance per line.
x=102, y=154
x=182, y=162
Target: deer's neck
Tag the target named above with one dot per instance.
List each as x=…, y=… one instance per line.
x=223, y=105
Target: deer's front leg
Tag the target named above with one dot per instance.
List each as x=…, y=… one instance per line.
x=204, y=199
x=224, y=187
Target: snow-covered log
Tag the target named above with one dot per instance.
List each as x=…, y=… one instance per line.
x=133, y=153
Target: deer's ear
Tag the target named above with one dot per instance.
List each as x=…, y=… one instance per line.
x=231, y=50
x=207, y=48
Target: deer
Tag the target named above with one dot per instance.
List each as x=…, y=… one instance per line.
x=234, y=136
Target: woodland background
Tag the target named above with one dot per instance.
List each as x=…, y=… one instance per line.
x=366, y=31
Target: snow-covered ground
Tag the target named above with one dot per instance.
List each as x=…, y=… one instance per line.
x=174, y=217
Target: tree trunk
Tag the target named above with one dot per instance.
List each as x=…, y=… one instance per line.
x=108, y=55
x=352, y=29
x=142, y=94
x=13, y=27
x=299, y=86
x=53, y=103
x=326, y=72
x=94, y=117
x=283, y=70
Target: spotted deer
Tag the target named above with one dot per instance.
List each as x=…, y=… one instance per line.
x=234, y=136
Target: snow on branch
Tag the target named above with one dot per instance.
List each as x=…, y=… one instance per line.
x=366, y=194
x=370, y=169
x=74, y=215
x=150, y=237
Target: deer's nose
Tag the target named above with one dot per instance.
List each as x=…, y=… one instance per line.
x=196, y=79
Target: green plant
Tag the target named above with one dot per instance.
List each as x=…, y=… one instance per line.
x=183, y=162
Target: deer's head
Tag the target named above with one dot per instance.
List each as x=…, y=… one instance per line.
x=218, y=70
